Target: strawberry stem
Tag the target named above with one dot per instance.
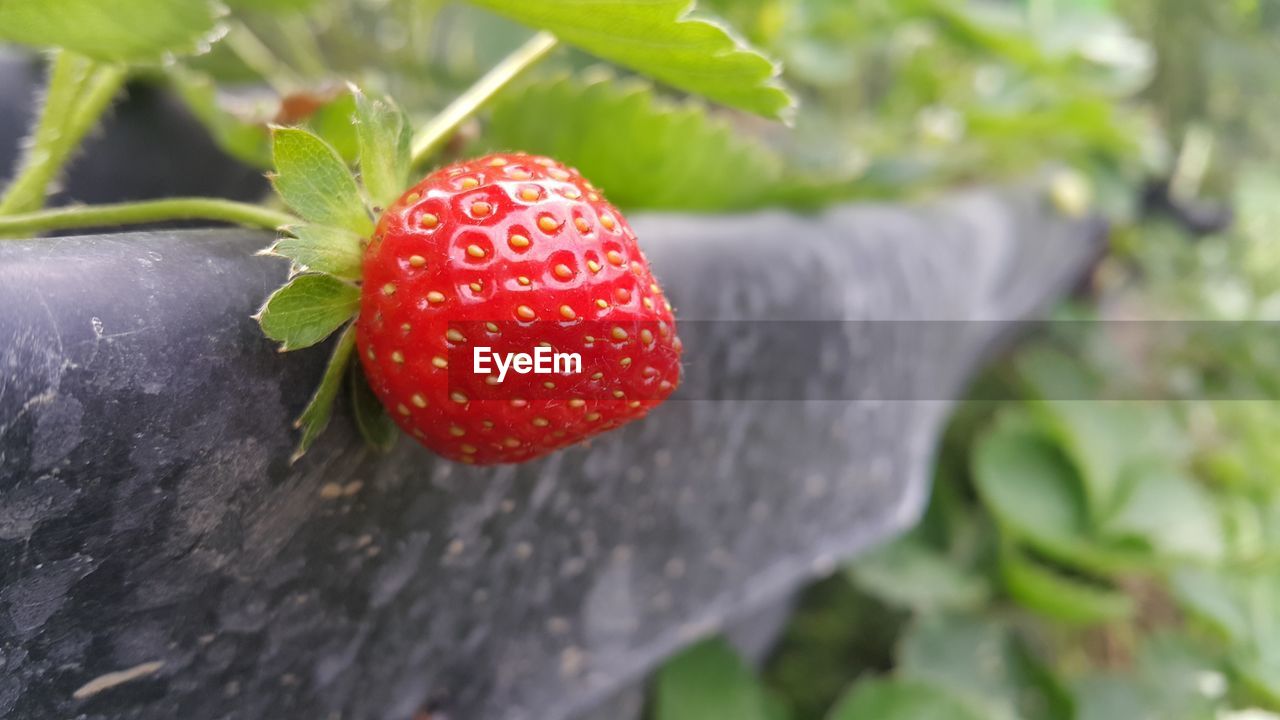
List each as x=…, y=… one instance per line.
x=260, y=58
x=441, y=127
x=77, y=93
x=79, y=216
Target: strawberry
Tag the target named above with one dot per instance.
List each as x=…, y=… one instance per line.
x=512, y=253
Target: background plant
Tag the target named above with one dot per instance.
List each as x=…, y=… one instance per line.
x=1093, y=560
x=1101, y=561
x=332, y=211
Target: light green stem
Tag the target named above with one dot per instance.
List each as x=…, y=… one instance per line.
x=149, y=211
x=68, y=73
x=441, y=127
x=261, y=59
x=299, y=38
x=95, y=97
x=77, y=94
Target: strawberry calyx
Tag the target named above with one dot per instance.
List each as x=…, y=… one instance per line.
x=321, y=296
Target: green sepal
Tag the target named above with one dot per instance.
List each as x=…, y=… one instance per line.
x=384, y=137
x=312, y=179
x=322, y=249
x=307, y=310
x=375, y=425
x=315, y=417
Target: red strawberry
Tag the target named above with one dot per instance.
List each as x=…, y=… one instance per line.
x=511, y=252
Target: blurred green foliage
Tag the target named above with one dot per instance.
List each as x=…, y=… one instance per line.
x=896, y=97
x=1101, y=560
x=647, y=152
x=1107, y=560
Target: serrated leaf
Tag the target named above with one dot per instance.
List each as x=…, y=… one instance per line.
x=312, y=179
x=135, y=31
x=657, y=38
x=315, y=418
x=323, y=249
x=372, y=420
x=384, y=136
x=708, y=682
x=901, y=700
x=308, y=309
x=674, y=157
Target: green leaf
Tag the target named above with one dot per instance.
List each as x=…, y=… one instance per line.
x=1104, y=438
x=658, y=38
x=1058, y=596
x=1051, y=373
x=1173, y=667
x=133, y=31
x=323, y=249
x=982, y=662
x=837, y=633
x=901, y=700
x=312, y=179
x=271, y=6
x=315, y=418
x=708, y=682
x=307, y=310
x=334, y=123
x=1214, y=598
x=1036, y=494
x=384, y=138
x=1107, y=697
x=1029, y=487
x=1170, y=512
x=1242, y=606
x=776, y=706
x=1261, y=677
x=674, y=157
x=821, y=42
x=1258, y=666
x=910, y=574
x=372, y=420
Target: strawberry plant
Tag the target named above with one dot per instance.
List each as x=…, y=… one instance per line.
x=515, y=251
x=340, y=157
x=1090, y=560
x=1083, y=555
